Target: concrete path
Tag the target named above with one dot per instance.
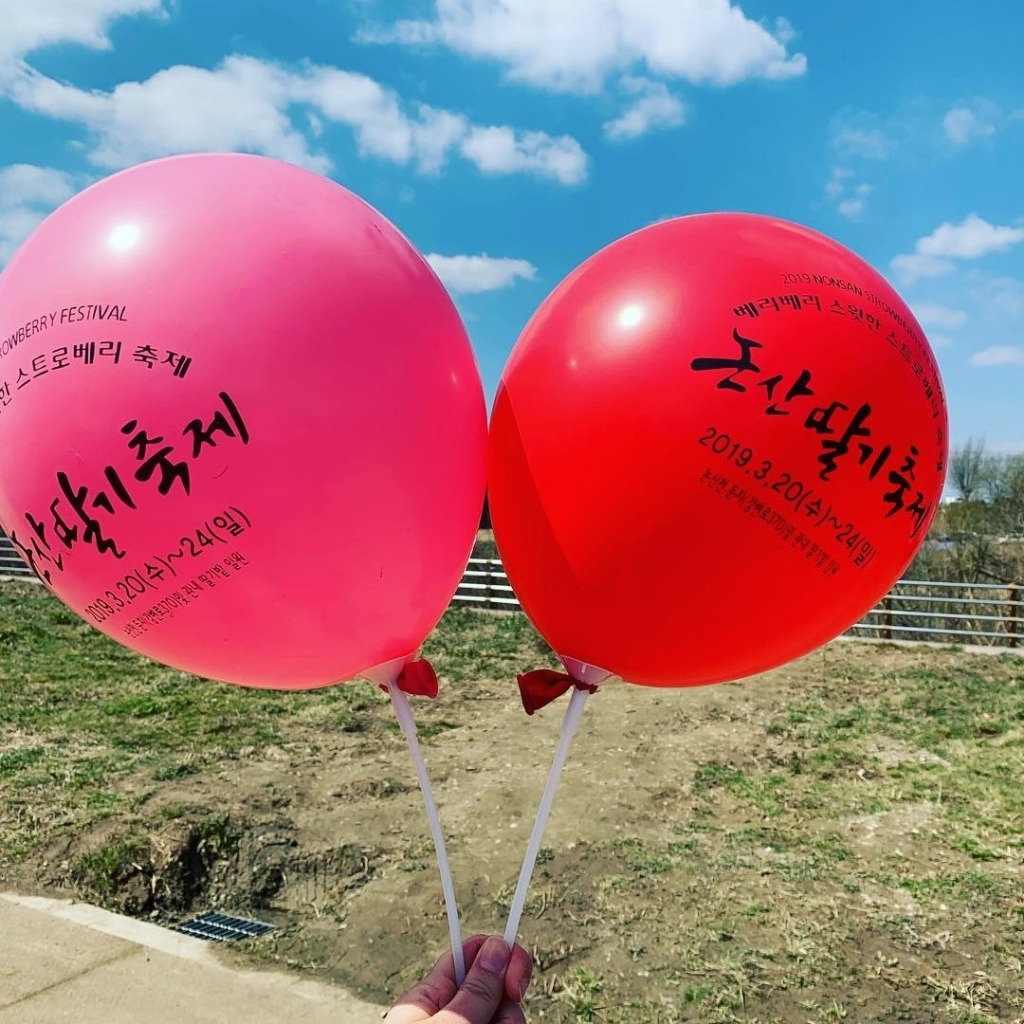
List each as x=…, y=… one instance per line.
x=65, y=961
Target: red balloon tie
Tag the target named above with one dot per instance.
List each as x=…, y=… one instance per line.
x=540, y=687
x=418, y=679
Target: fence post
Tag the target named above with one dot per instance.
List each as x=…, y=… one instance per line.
x=887, y=605
x=1013, y=627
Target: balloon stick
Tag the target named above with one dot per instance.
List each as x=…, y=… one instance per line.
x=569, y=725
x=403, y=713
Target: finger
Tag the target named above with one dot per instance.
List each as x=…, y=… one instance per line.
x=436, y=990
x=406, y=1013
x=480, y=995
x=509, y=1013
x=517, y=977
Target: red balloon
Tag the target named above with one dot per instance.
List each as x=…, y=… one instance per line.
x=716, y=446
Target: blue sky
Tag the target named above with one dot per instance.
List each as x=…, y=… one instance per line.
x=510, y=139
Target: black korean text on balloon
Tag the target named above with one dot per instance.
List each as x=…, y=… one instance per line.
x=835, y=423
x=72, y=517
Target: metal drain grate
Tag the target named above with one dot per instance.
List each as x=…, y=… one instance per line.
x=222, y=928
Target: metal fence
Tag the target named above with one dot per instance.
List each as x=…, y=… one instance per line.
x=10, y=561
x=991, y=614
x=975, y=613
x=485, y=585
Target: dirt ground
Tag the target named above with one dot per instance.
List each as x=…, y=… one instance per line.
x=763, y=851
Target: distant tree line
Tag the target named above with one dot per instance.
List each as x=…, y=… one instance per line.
x=978, y=537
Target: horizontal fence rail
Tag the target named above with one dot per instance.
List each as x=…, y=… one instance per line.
x=485, y=585
x=978, y=613
x=989, y=614
x=11, y=563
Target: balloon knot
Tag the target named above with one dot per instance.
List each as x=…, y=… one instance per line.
x=418, y=679
x=540, y=687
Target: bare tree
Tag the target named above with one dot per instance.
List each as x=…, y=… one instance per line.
x=967, y=468
x=982, y=534
x=1003, y=488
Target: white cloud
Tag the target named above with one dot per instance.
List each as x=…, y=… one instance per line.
x=375, y=114
x=836, y=185
x=655, y=107
x=858, y=140
x=574, y=45
x=911, y=267
x=471, y=274
x=30, y=25
x=242, y=105
x=784, y=31
x=850, y=200
x=965, y=123
x=971, y=239
x=962, y=124
x=22, y=184
x=942, y=317
x=855, y=137
x=999, y=355
x=851, y=208
x=502, y=150
x=27, y=195
x=257, y=106
x=854, y=206
x=940, y=340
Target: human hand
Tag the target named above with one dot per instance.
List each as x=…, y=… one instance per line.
x=496, y=980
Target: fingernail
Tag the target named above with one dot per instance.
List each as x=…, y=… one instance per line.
x=494, y=955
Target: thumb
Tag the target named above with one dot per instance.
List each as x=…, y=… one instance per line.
x=481, y=993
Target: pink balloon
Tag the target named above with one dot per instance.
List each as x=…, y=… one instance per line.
x=243, y=431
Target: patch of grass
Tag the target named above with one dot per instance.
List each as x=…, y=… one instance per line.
x=710, y=776
x=792, y=855
x=974, y=849
x=469, y=645
x=100, y=870
x=960, y=886
x=948, y=732
x=814, y=858
x=91, y=713
x=694, y=995
x=581, y=988
x=682, y=847
x=434, y=728
x=767, y=792
x=176, y=770
x=216, y=833
x=14, y=761
x=641, y=858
